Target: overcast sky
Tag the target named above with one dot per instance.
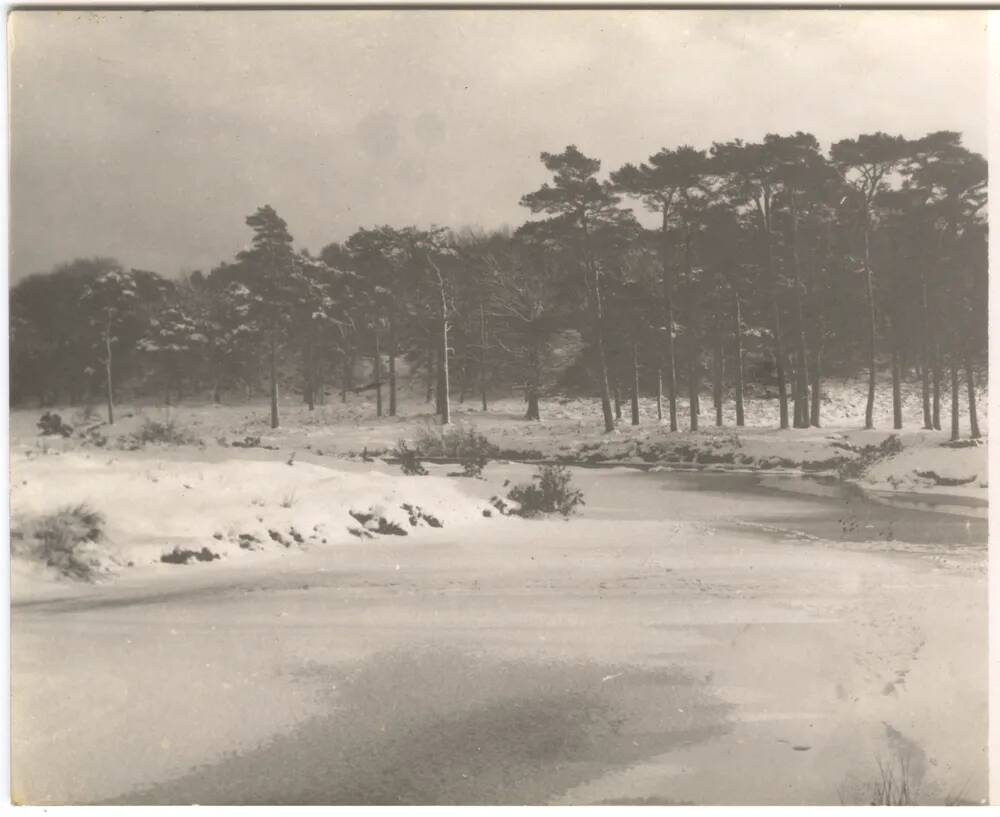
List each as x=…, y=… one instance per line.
x=150, y=136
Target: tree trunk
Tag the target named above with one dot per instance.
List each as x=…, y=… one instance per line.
x=801, y=390
x=954, y=399
x=739, y=361
x=779, y=345
x=597, y=308
x=718, y=370
x=482, y=355
x=392, y=368
x=378, y=376
x=897, y=390
x=819, y=332
x=445, y=385
x=971, y=388
x=814, y=410
x=925, y=357
x=936, y=387
x=802, y=368
x=779, y=364
x=274, y=379
x=659, y=393
x=438, y=387
x=925, y=391
x=609, y=421
x=694, y=374
x=616, y=391
x=635, y=383
x=432, y=378
x=534, y=382
x=532, y=412
x=693, y=384
x=344, y=377
x=896, y=361
x=310, y=390
x=109, y=391
x=668, y=317
x=870, y=297
x=793, y=377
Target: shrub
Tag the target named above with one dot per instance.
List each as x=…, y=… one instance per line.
x=249, y=441
x=51, y=425
x=868, y=456
x=551, y=491
x=181, y=556
x=93, y=436
x=465, y=445
x=247, y=541
x=409, y=460
x=153, y=431
x=950, y=482
x=64, y=540
x=277, y=537
x=471, y=468
x=457, y=443
x=416, y=515
x=376, y=523
x=361, y=533
x=895, y=781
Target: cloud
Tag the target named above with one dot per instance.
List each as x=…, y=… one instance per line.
x=378, y=134
x=151, y=135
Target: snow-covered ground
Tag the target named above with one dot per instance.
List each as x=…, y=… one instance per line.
x=682, y=640
x=571, y=429
x=702, y=637
x=241, y=508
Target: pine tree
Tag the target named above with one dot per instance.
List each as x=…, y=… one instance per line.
x=269, y=264
x=579, y=204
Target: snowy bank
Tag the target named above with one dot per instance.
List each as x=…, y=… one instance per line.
x=236, y=508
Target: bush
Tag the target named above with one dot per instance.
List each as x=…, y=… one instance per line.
x=409, y=460
x=457, y=443
x=868, y=456
x=949, y=482
x=181, y=556
x=153, y=431
x=249, y=441
x=550, y=492
x=62, y=540
x=416, y=515
x=51, y=425
x=465, y=445
x=473, y=467
x=373, y=522
x=93, y=436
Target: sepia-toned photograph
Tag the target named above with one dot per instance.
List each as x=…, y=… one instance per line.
x=458, y=406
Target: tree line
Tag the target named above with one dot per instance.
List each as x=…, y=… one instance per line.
x=772, y=265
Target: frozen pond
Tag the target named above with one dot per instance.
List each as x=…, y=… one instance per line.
x=690, y=637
